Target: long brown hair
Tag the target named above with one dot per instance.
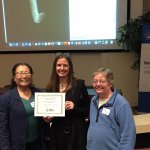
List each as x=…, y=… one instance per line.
x=53, y=85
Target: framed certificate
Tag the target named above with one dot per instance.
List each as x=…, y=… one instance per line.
x=49, y=104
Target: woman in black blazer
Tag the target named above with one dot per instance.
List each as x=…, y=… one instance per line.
x=69, y=132
x=19, y=129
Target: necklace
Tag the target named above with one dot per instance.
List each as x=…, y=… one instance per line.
x=61, y=85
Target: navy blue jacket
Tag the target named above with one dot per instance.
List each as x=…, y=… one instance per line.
x=13, y=122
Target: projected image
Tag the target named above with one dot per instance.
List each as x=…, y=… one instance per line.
x=37, y=17
x=61, y=25
x=35, y=21
x=92, y=23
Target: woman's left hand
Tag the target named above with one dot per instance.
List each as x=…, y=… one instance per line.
x=69, y=105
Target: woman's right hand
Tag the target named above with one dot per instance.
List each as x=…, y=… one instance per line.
x=47, y=119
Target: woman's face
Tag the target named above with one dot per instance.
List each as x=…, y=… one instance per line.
x=23, y=77
x=62, y=67
x=101, y=85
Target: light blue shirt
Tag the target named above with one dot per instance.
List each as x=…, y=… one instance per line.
x=112, y=125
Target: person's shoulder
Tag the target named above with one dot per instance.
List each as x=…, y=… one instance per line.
x=121, y=100
x=79, y=80
x=5, y=89
x=7, y=94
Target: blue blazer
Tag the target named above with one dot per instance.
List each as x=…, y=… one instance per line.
x=13, y=122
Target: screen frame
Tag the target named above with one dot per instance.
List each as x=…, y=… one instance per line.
x=24, y=51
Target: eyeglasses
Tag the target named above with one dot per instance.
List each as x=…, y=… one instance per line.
x=99, y=81
x=23, y=73
x=63, y=54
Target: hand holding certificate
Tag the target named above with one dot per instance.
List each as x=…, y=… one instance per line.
x=49, y=104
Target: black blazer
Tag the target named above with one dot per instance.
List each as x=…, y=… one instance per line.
x=13, y=122
x=80, y=97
